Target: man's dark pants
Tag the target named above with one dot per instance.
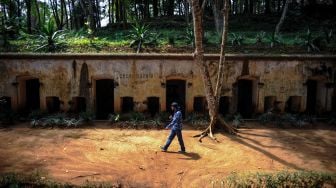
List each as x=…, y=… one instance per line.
x=171, y=137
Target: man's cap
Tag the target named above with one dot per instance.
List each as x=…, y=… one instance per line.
x=175, y=104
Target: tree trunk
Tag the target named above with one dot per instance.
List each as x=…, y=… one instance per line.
x=282, y=19
x=18, y=8
x=117, y=8
x=155, y=8
x=216, y=10
x=267, y=7
x=38, y=13
x=246, y=3
x=66, y=15
x=211, y=95
x=91, y=16
x=186, y=11
x=124, y=14
x=146, y=10
x=109, y=11
x=251, y=4
x=97, y=14
x=62, y=15
x=71, y=15
x=28, y=5
x=170, y=8
x=54, y=7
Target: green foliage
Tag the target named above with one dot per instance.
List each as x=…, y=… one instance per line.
x=139, y=35
x=190, y=37
x=49, y=39
x=309, y=42
x=36, y=114
x=112, y=118
x=237, y=120
x=275, y=40
x=237, y=39
x=137, y=120
x=61, y=120
x=328, y=35
x=5, y=31
x=7, y=116
x=87, y=116
x=197, y=119
x=260, y=37
x=280, y=179
x=171, y=40
x=332, y=119
x=280, y=120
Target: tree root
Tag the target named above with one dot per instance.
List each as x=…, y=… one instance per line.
x=209, y=130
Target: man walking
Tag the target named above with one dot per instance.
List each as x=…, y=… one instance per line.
x=176, y=128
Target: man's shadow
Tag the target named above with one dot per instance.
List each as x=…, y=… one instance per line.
x=187, y=155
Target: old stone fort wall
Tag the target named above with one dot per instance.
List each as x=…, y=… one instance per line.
x=107, y=83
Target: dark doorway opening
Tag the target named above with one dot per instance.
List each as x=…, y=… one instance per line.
x=32, y=95
x=153, y=105
x=127, y=104
x=333, y=104
x=269, y=103
x=293, y=105
x=245, y=103
x=6, y=105
x=53, y=104
x=311, y=97
x=78, y=104
x=200, y=104
x=175, y=92
x=224, y=105
x=104, y=98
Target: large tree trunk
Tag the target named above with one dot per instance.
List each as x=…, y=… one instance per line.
x=29, y=26
x=282, y=19
x=251, y=4
x=212, y=95
x=170, y=7
x=18, y=8
x=155, y=8
x=218, y=18
x=267, y=7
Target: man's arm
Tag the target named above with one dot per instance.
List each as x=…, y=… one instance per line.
x=175, y=119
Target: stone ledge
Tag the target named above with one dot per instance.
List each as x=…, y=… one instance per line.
x=155, y=56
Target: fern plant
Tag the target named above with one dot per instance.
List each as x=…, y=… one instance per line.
x=49, y=38
x=237, y=40
x=139, y=35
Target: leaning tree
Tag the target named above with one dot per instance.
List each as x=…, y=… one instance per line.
x=212, y=91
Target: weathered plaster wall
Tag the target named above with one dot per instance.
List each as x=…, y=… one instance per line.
x=142, y=77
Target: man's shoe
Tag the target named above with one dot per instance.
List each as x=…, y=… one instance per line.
x=182, y=151
x=162, y=149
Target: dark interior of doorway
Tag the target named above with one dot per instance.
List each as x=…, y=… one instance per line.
x=153, y=105
x=32, y=95
x=104, y=98
x=200, y=104
x=245, y=103
x=53, y=104
x=127, y=104
x=224, y=105
x=311, y=97
x=176, y=92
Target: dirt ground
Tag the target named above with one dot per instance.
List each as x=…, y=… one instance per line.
x=132, y=157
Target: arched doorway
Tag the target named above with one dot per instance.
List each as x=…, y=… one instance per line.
x=104, y=98
x=176, y=92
